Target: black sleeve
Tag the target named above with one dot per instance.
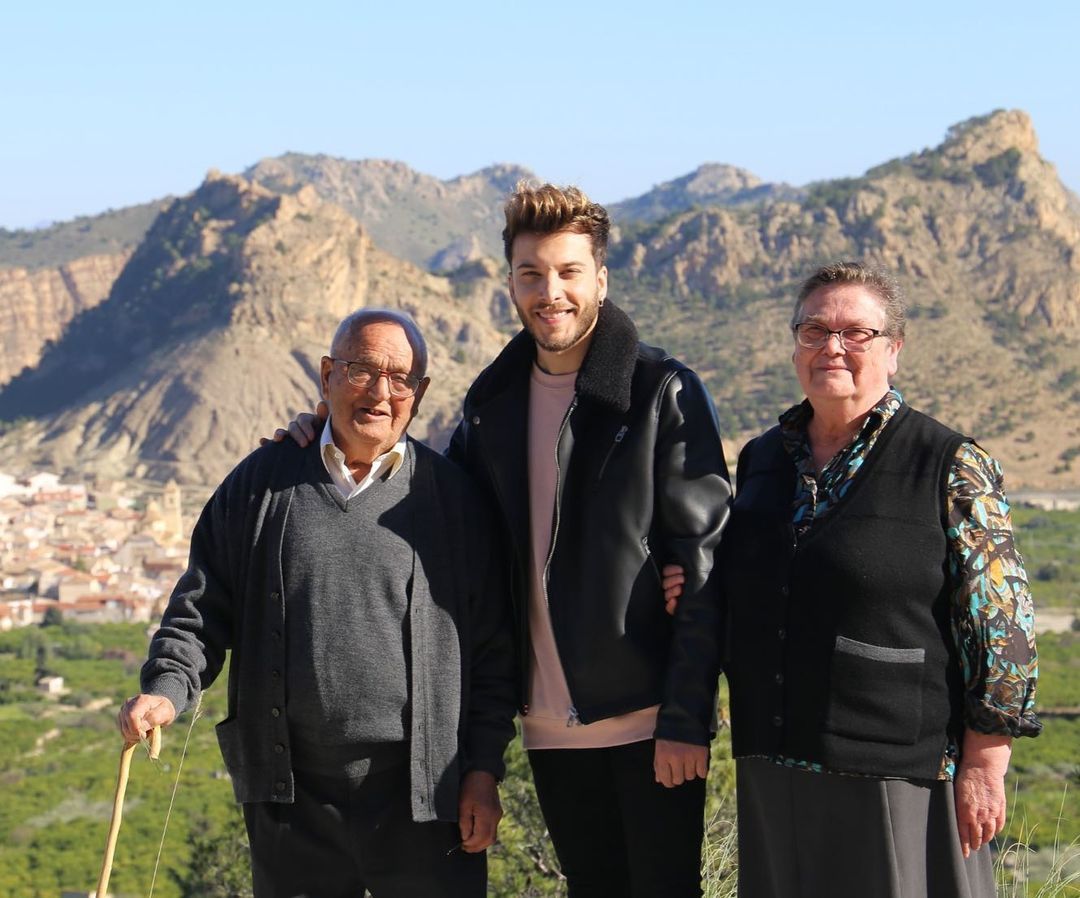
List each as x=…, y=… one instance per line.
x=693, y=498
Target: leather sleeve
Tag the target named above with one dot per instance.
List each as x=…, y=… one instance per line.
x=693, y=499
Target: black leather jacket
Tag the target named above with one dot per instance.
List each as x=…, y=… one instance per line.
x=642, y=481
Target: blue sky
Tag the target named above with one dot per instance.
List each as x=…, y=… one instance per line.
x=105, y=105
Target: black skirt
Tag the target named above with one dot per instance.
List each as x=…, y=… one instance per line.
x=825, y=835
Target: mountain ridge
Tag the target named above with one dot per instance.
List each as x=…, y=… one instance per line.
x=153, y=384
x=979, y=230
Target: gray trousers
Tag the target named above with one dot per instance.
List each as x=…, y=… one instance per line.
x=824, y=835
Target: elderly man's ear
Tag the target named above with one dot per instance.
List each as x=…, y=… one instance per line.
x=419, y=394
x=304, y=426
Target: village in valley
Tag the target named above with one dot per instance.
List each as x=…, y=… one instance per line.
x=103, y=551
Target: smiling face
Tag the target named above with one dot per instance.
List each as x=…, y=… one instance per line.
x=837, y=380
x=557, y=290
x=368, y=421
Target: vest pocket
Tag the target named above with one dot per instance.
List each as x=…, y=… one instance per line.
x=875, y=692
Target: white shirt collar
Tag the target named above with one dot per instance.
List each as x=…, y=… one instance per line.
x=334, y=461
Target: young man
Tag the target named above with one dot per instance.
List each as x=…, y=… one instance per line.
x=603, y=456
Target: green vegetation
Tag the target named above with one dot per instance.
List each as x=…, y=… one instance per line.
x=836, y=194
x=1044, y=778
x=1001, y=169
x=748, y=396
x=58, y=769
x=931, y=165
x=1050, y=543
x=59, y=761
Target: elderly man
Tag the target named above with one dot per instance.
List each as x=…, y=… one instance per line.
x=371, y=690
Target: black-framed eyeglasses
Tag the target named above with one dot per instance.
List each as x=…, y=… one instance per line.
x=363, y=375
x=852, y=339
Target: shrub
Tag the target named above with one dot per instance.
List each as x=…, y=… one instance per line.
x=1000, y=169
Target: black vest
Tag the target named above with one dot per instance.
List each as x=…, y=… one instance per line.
x=839, y=644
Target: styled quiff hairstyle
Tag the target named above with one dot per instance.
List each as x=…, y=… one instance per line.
x=548, y=209
x=880, y=283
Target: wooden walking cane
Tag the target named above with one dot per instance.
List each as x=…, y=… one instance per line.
x=118, y=806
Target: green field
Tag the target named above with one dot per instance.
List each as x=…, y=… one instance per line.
x=58, y=762
x=1050, y=543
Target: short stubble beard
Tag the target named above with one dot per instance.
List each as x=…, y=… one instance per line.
x=586, y=320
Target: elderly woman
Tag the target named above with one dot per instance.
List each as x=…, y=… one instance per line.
x=880, y=649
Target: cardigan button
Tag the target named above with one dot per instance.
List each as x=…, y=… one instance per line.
x=279, y=786
x=279, y=749
x=784, y=590
x=781, y=633
x=476, y=419
x=275, y=712
x=777, y=721
x=779, y=680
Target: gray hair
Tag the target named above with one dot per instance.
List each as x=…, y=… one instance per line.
x=353, y=323
x=878, y=282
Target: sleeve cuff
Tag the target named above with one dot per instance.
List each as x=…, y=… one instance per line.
x=996, y=722
x=172, y=688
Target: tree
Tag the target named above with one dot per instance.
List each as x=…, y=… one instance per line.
x=220, y=863
x=43, y=661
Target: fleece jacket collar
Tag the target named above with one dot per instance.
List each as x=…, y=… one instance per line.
x=605, y=375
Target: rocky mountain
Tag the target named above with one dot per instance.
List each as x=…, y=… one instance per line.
x=986, y=241
x=110, y=233
x=49, y=275
x=708, y=185
x=435, y=224
x=212, y=335
x=37, y=305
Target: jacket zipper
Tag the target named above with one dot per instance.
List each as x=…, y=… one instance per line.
x=649, y=557
x=573, y=719
x=558, y=497
x=618, y=439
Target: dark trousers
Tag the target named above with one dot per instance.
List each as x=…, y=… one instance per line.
x=617, y=832
x=336, y=840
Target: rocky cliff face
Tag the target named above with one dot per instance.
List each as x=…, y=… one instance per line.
x=36, y=305
x=213, y=332
x=986, y=241
x=708, y=185
x=409, y=214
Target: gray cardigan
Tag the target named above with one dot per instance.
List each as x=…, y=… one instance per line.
x=232, y=598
